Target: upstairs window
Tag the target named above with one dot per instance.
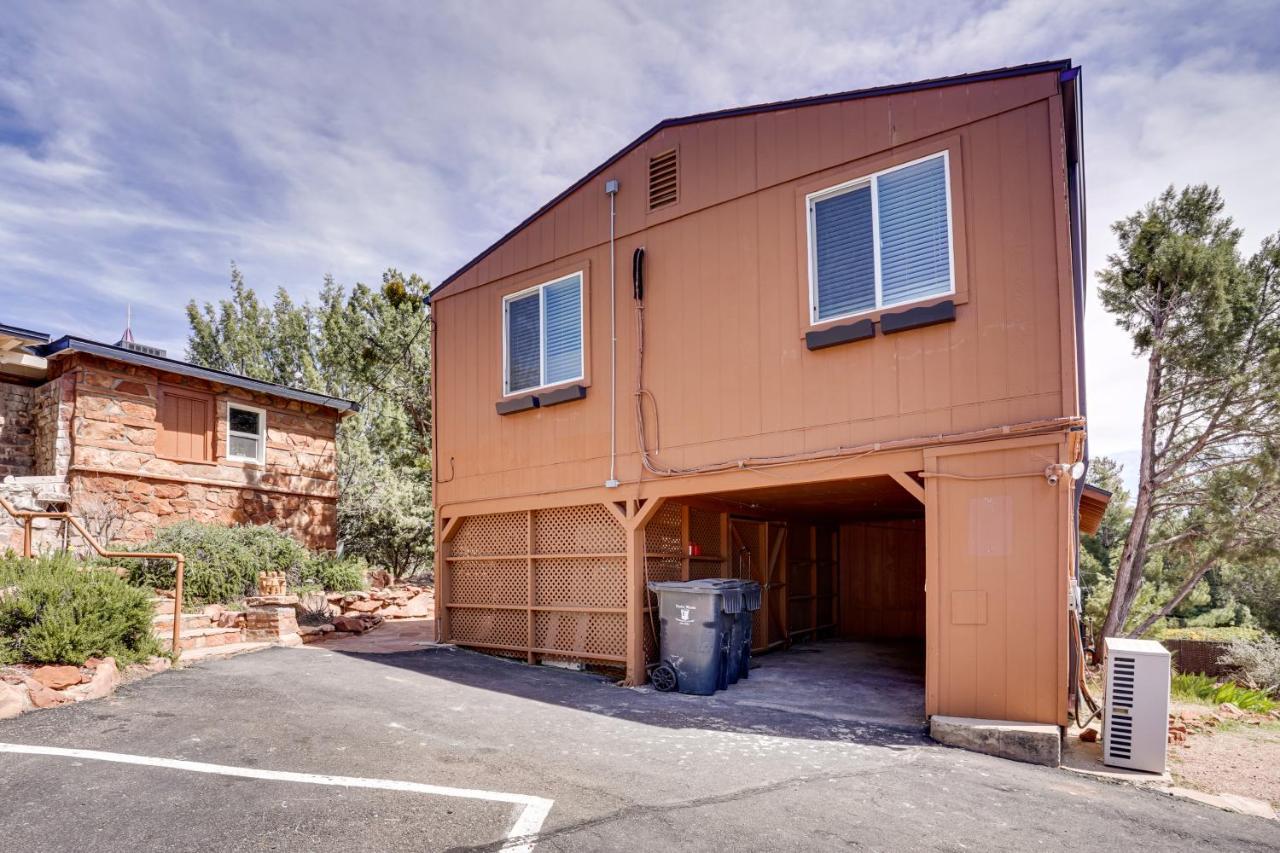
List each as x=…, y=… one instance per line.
x=542, y=335
x=881, y=241
x=246, y=433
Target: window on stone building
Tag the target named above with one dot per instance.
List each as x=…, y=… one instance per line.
x=246, y=433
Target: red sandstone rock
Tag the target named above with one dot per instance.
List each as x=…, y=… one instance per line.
x=349, y=624
x=364, y=606
x=13, y=700
x=43, y=697
x=57, y=677
x=1089, y=735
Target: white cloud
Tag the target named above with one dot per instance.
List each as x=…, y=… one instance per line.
x=143, y=147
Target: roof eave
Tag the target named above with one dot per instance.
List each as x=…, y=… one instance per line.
x=69, y=344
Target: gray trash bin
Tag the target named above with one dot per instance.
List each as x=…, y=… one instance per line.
x=698, y=620
x=741, y=654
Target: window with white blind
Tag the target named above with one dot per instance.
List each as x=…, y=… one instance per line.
x=542, y=335
x=880, y=241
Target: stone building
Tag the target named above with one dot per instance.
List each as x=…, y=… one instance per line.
x=129, y=441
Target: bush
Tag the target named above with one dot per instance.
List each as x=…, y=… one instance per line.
x=1202, y=688
x=1219, y=635
x=222, y=562
x=1257, y=662
x=336, y=574
x=57, y=610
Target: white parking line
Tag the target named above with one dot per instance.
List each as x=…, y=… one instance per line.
x=521, y=837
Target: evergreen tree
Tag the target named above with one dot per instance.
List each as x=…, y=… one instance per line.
x=371, y=346
x=1209, y=327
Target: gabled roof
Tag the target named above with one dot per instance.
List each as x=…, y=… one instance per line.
x=69, y=344
x=1058, y=66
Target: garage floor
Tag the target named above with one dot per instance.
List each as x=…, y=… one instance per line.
x=842, y=681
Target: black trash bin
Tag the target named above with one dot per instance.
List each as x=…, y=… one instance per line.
x=698, y=620
x=741, y=653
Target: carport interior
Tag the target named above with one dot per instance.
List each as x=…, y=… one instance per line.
x=841, y=565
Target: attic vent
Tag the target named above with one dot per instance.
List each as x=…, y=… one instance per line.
x=662, y=179
x=145, y=349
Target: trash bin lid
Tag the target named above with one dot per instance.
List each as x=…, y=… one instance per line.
x=729, y=590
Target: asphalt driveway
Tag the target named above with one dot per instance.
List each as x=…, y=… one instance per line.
x=306, y=749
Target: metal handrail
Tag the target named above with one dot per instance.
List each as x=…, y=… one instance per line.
x=26, y=517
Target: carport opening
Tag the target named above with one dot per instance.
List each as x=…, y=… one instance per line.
x=841, y=626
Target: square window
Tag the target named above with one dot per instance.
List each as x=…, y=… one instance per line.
x=542, y=335
x=246, y=433
x=881, y=241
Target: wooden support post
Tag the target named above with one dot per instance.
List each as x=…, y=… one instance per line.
x=26, y=537
x=444, y=574
x=637, y=595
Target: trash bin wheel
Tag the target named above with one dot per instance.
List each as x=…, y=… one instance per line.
x=663, y=678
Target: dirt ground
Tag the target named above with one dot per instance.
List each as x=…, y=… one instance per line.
x=1237, y=758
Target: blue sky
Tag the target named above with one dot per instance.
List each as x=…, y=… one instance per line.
x=144, y=146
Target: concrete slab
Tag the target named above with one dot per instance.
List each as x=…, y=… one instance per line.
x=1034, y=743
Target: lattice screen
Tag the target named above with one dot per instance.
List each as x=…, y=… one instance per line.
x=563, y=599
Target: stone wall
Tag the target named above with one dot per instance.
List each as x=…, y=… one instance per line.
x=124, y=491
x=17, y=431
x=52, y=406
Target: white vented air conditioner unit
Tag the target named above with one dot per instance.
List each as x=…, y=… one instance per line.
x=1135, y=730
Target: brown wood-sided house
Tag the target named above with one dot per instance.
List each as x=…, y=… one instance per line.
x=848, y=364
x=129, y=441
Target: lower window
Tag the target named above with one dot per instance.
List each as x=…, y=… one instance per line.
x=246, y=433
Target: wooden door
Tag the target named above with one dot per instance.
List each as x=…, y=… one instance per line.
x=757, y=552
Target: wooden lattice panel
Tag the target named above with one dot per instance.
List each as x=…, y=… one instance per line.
x=489, y=627
x=699, y=569
x=704, y=531
x=580, y=582
x=498, y=534
x=589, y=529
x=577, y=611
x=489, y=582
x=662, y=533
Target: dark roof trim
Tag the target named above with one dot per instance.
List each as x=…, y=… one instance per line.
x=1058, y=65
x=69, y=344
x=24, y=334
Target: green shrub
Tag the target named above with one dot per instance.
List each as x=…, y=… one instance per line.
x=1201, y=688
x=336, y=574
x=1220, y=635
x=222, y=562
x=57, y=610
x=1257, y=662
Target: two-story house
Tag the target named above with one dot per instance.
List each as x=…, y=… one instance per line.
x=833, y=344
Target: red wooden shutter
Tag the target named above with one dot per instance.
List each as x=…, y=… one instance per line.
x=185, y=421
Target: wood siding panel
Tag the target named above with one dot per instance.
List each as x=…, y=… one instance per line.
x=998, y=560
x=726, y=301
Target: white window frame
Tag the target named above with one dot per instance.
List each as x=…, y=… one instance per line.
x=871, y=180
x=542, y=325
x=261, y=437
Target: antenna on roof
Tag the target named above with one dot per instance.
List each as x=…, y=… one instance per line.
x=127, y=337
x=127, y=342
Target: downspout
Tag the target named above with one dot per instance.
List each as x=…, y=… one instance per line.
x=611, y=188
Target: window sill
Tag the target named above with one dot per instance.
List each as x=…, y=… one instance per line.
x=891, y=322
x=541, y=399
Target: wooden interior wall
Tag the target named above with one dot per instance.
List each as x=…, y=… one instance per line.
x=882, y=568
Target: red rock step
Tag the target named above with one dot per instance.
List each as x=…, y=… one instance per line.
x=200, y=638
